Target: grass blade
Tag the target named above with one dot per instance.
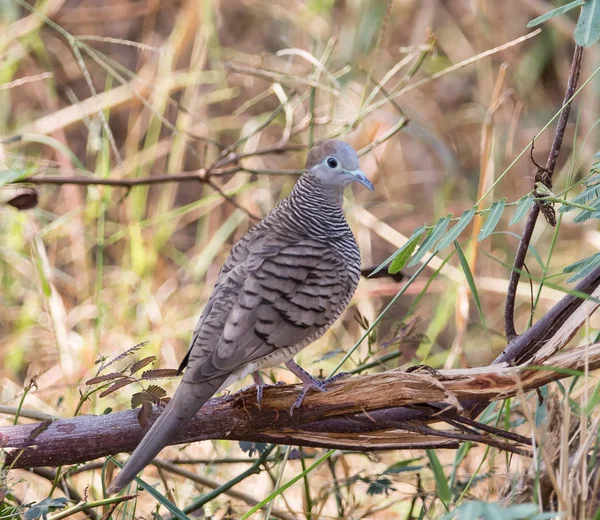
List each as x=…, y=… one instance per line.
x=159, y=497
x=288, y=484
x=464, y=263
x=441, y=482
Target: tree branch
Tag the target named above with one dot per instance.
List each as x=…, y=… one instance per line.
x=365, y=413
x=544, y=175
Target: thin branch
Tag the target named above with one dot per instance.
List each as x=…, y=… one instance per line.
x=216, y=169
x=70, y=491
x=482, y=439
x=545, y=174
x=29, y=414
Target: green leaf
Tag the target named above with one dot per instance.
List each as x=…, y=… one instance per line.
x=459, y=227
x=555, y=12
x=400, y=257
x=434, y=235
x=590, y=193
x=588, y=214
x=594, y=178
x=380, y=486
x=441, y=482
x=587, y=32
x=405, y=465
x=417, y=232
x=496, y=210
x=519, y=511
x=471, y=281
x=583, y=267
x=9, y=176
x=41, y=509
x=523, y=207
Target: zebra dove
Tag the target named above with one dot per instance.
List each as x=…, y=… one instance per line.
x=283, y=285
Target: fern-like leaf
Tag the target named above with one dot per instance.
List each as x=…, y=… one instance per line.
x=160, y=373
x=138, y=365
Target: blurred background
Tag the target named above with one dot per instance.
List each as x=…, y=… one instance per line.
x=143, y=88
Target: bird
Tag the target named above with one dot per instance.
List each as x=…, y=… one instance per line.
x=283, y=285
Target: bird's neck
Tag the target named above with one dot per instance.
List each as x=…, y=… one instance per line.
x=312, y=209
x=309, y=187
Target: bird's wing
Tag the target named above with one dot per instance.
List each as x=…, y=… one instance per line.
x=283, y=292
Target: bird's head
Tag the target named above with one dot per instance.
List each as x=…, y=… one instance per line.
x=335, y=164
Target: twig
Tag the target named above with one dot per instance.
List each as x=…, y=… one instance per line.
x=339, y=500
x=216, y=169
x=70, y=491
x=487, y=428
x=29, y=414
x=233, y=202
x=483, y=439
x=86, y=506
x=509, y=309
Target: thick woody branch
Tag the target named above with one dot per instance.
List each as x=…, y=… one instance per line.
x=364, y=413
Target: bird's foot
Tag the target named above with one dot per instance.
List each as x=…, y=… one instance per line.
x=309, y=382
x=258, y=383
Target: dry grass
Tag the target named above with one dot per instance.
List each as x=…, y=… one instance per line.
x=92, y=271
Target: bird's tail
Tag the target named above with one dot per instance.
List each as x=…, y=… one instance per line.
x=188, y=399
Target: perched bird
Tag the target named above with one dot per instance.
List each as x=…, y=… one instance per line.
x=283, y=285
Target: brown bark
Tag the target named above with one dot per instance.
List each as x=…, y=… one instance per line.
x=356, y=413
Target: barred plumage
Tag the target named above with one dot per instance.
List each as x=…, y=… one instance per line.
x=283, y=285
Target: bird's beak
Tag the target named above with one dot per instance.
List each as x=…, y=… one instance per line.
x=359, y=176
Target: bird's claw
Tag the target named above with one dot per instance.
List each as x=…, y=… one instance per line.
x=260, y=391
x=318, y=384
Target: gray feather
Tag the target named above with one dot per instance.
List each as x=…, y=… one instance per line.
x=183, y=406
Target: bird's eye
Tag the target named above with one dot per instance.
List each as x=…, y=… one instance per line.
x=332, y=163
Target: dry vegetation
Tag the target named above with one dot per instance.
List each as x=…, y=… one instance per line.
x=224, y=97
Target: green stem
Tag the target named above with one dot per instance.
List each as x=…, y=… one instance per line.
x=255, y=468
x=22, y=402
x=309, y=502
x=383, y=313
x=288, y=484
x=88, y=505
